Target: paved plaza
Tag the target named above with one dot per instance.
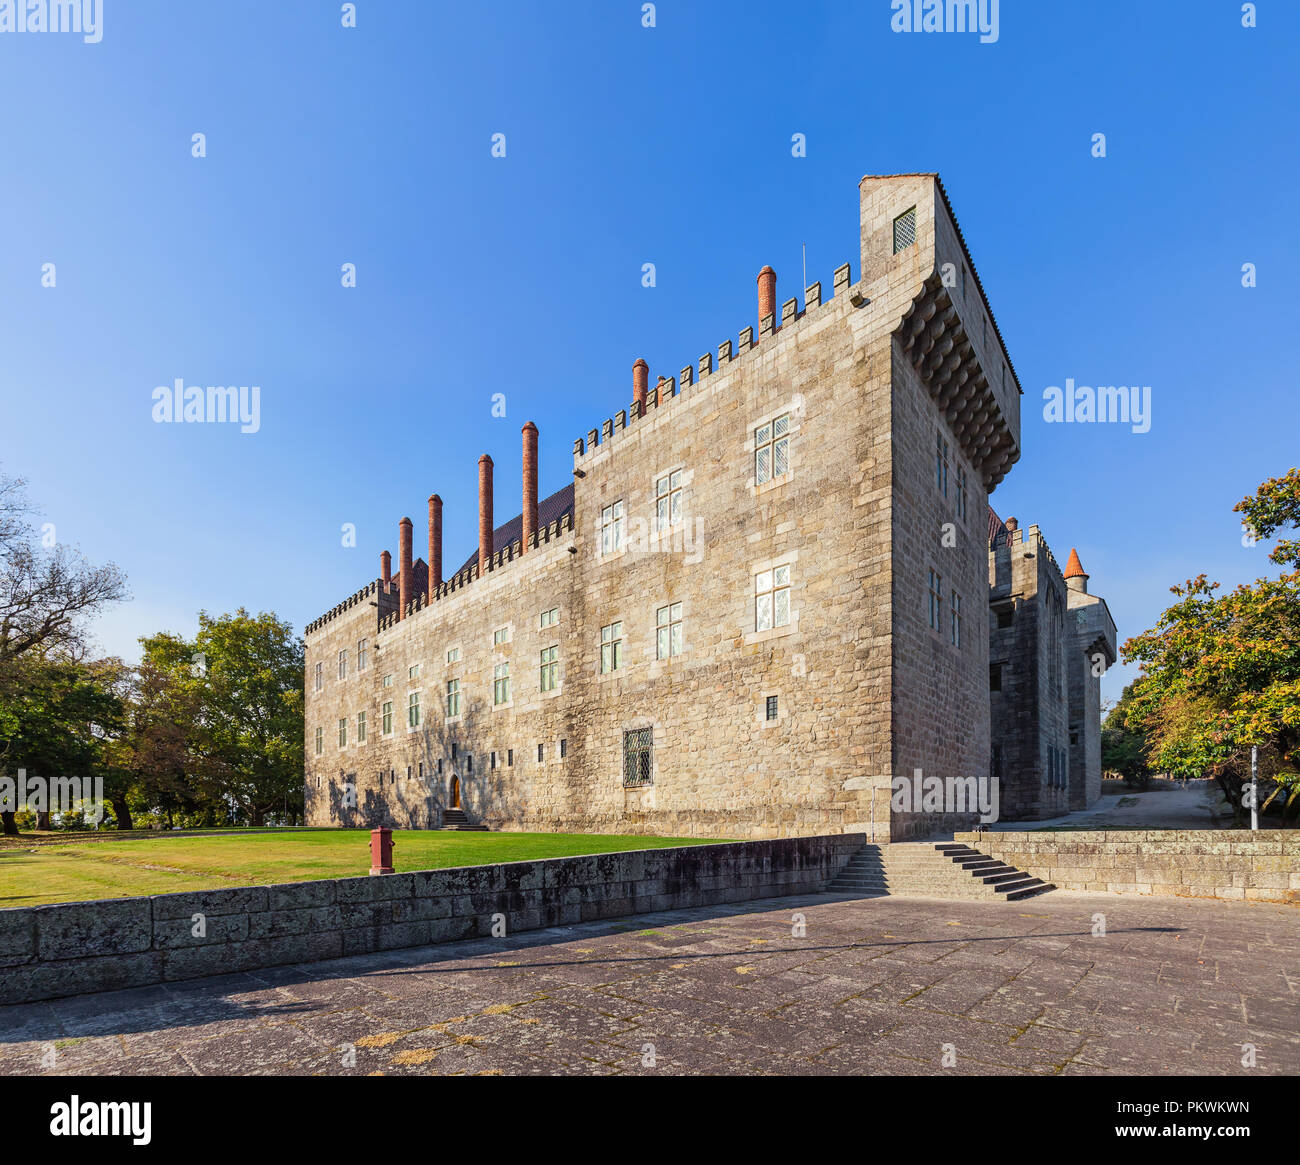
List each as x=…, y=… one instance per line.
x=815, y=985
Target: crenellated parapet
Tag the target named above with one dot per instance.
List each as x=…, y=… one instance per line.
x=691, y=377
x=934, y=339
x=366, y=592
x=501, y=558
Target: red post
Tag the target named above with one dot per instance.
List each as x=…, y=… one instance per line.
x=381, y=851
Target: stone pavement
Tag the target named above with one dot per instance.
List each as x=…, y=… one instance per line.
x=1166, y=805
x=871, y=986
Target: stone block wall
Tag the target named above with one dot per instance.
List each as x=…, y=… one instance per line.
x=1219, y=863
x=47, y=952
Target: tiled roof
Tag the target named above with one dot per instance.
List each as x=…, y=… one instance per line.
x=1074, y=568
x=997, y=531
x=548, y=510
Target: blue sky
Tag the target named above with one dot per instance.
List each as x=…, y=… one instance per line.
x=522, y=275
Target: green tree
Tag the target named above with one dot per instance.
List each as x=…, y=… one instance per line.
x=1221, y=672
x=236, y=690
x=58, y=720
x=1124, y=743
x=48, y=596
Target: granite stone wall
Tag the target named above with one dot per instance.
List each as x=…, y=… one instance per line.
x=51, y=951
x=1212, y=863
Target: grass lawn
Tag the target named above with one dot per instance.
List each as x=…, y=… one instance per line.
x=76, y=871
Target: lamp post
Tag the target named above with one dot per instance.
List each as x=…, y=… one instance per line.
x=1254, y=788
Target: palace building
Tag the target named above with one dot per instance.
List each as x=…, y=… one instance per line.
x=764, y=592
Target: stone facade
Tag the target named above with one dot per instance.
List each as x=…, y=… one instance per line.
x=1049, y=643
x=896, y=411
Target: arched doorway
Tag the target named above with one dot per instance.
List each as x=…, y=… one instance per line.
x=455, y=791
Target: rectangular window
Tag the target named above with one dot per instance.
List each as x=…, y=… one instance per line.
x=905, y=230
x=772, y=598
x=501, y=684
x=386, y=718
x=469, y=763
x=361, y=728
x=668, y=631
x=343, y=732
x=387, y=681
x=936, y=601
x=668, y=500
x=956, y=619
x=995, y=677
x=510, y=758
x=320, y=676
x=343, y=664
x=413, y=710
x=961, y=492
x=611, y=647
x=492, y=761
x=772, y=450
x=413, y=672
x=453, y=698
x=320, y=741
x=363, y=654
x=1006, y=617
x=500, y=635
x=548, y=618
x=564, y=748
x=941, y=463
x=550, y=670
x=453, y=656
x=771, y=707
x=611, y=528
x=541, y=752
x=638, y=768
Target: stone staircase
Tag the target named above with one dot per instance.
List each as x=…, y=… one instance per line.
x=926, y=869
x=456, y=819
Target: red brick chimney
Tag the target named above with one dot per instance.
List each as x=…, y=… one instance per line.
x=530, y=485
x=435, y=544
x=640, y=382
x=484, y=514
x=766, y=297
x=386, y=571
x=404, y=528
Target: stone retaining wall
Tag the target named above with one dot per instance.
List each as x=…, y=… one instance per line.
x=51, y=951
x=1212, y=863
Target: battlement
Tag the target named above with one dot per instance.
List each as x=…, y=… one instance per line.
x=1032, y=536
x=364, y=593
x=502, y=557
x=675, y=386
